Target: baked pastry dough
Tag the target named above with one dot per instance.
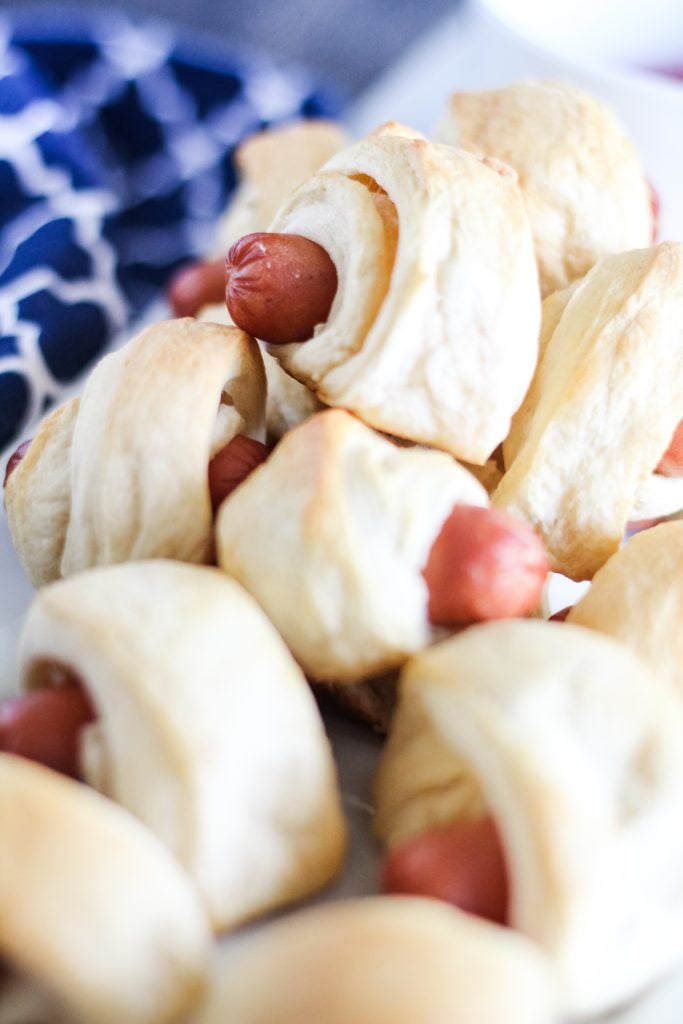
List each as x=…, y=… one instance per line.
x=383, y=960
x=95, y=912
x=576, y=749
x=207, y=730
x=581, y=177
x=637, y=597
x=330, y=536
x=602, y=409
x=270, y=164
x=433, y=332
x=122, y=473
x=657, y=497
x=288, y=402
x=38, y=496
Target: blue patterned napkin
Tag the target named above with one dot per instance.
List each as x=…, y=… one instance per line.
x=116, y=142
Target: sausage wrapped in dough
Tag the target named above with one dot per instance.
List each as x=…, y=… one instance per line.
x=121, y=473
x=433, y=332
x=576, y=750
x=270, y=165
x=330, y=536
x=604, y=404
x=207, y=730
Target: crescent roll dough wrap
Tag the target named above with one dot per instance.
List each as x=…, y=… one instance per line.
x=330, y=536
x=270, y=164
x=37, y=496
x=124, y=470
x=288, y=402
x=581, y=177
x=382, y=960
x=207, y=730
x=637, y=597
x=96, y=914
x=602, y=409
x=577, y=752
x=657, y=497
x=433, y=332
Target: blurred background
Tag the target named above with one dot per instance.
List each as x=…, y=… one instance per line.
x=348, y=41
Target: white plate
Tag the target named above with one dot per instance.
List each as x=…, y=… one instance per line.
x=468, y=49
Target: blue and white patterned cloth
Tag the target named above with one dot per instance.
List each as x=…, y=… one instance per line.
x=116, y=142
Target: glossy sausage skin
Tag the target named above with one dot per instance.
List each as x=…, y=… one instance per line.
x=231, y=465
x=279, y=286
x=484, y=564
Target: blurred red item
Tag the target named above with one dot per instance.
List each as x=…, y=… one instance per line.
x=231, y=465
x=461, y=863
x=195, y=286
x=484, y=564
x=44, y=725
x=671, y=462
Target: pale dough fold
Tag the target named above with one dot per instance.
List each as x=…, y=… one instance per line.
x=576, y=749
x=270, y=165
x=288, y=402
x=95, y=911
x=581, y=177
x=657, y=495
x=37, y=496
x=122, y=473
x=331, y=534
x=433, y=333
x=602, y=408
x=207, y=730
x=637, y=597
x=382, y=960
